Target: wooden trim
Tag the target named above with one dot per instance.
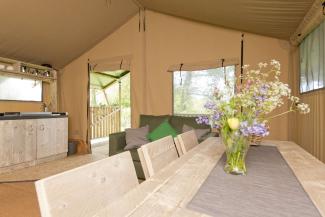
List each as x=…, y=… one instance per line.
x=311, y=20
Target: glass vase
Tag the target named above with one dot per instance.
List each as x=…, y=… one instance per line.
x=236, y=149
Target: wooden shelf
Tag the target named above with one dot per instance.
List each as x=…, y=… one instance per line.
x=17, y=67
x=26, y=75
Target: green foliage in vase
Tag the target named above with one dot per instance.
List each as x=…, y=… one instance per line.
x=244, y=113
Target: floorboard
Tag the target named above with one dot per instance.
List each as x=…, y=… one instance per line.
x=18, y=200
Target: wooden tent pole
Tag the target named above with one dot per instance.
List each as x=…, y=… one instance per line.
x=88, y=137
x=241, y=58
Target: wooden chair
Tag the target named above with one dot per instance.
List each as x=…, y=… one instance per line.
x=143, y=163
x=156, y=155
x=178, y=146
x=85, y=190
x=187, y=141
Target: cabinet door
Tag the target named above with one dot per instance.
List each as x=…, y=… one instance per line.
x=24, y=141
x=61, y=135
x=6, y=145
x=46, y=131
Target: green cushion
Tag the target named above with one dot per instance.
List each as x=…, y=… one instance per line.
x=178, y=122
x=152, y=121
x=163, y=130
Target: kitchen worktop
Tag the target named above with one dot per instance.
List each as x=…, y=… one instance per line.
x=31, y=115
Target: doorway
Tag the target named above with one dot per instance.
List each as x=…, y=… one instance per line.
x=109, y=106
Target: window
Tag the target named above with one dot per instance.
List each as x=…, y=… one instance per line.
x=192, y=89
x=312, y=63
x=20, y=89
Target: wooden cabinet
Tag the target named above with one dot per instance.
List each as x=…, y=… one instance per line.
x=45, y=137
x=61, y=137
x=24, y=140
x=32, y=139
x=6, y=135
x=52, y=137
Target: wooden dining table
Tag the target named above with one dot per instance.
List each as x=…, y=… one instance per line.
x=169, y=191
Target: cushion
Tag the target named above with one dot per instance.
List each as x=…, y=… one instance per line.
x=136, y=137
x=178, y=122
x=200, y=133
x=163, y=130
x=152, y=121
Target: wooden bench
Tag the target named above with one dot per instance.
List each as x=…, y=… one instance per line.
x=156, y=155
x=187, y=141
x=84, y=190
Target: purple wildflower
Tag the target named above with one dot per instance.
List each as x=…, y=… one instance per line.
x=260, y=98
x=263, y=89
x=210, y=105
x=216, y=116
x=203, y=120
x=257, y=129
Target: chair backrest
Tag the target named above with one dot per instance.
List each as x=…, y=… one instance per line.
x=158, y=154
x=178, y=146
x=187, y=141
x=143, y=163
x=85, y=190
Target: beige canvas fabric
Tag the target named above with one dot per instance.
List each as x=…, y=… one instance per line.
x=168, y=40
x=272, y=18
x=57, y=32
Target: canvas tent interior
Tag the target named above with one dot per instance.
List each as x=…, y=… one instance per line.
x=156, y=35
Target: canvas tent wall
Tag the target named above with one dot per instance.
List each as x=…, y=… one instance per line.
x=166, y=41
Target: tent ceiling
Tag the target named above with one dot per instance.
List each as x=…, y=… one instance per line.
x=275, y=18
x=58, y=31
x=102, y=80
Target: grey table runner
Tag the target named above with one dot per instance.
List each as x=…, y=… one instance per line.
x=269, y=189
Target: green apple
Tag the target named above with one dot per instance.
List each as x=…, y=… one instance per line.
x=233, y=123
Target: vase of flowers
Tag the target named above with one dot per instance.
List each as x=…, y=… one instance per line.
x=243, y=112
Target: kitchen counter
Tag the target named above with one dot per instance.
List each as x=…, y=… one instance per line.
x=31, y=115
x=29, y=138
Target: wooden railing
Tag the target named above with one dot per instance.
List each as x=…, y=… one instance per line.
x=104, y=121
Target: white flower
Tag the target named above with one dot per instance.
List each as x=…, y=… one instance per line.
x=257, y=94
x=276, y=64
x=294, y=99
x=262, y=65
x=303, y=108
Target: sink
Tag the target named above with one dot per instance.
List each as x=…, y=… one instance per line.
x=35, y=113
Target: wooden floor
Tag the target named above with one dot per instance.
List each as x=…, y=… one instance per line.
x=18, y=196
x=18, y=200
